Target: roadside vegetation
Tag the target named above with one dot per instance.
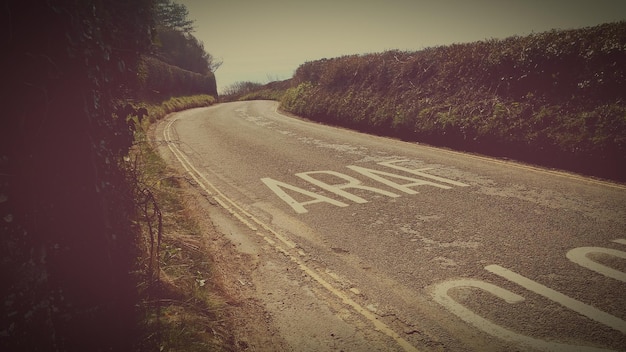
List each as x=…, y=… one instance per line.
x=180, y=304
x=98, y=251
x=556, y=98
x=255, y=91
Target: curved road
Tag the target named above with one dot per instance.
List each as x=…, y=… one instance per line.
x=433, y=249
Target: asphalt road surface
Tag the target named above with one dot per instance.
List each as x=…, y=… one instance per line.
x=434, y=249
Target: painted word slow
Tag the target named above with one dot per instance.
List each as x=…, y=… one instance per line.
x=580, y=256
x=400, y=183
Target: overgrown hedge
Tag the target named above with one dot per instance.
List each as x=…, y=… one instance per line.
x=158, y=111
x=556, y=98
x=68, y=248
x=159, y=80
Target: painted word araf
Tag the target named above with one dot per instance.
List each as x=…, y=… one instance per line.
x=387, y=178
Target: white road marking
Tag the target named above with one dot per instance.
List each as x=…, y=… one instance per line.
x=277, y=187
x=441, y=296
x=377, y=175
x=339, y=189
x=420, y=172
x=568, y=302
x=580, y=256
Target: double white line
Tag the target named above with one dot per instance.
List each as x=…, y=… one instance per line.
x=275, y=239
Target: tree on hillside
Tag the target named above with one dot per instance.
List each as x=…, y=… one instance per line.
x=241, y=88
x=173, y=16
x=185, y=51
x=174, y=42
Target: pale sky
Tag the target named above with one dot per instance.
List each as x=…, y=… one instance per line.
x=266, y=40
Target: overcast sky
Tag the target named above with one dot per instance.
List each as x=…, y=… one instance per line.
x=266, y=40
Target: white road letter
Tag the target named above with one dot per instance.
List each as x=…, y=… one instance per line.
x=420, y=172
x=440, y=294
x=339, y=189
x=580, y=256
x=278, y=186
x=568, y=302
x=375, y=175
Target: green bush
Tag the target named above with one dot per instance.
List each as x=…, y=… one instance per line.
x=156, y=111
x=256, y=91
x=158, y=80
x=556, y=98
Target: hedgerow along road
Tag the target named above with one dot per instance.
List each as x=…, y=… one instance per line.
x=433, y=249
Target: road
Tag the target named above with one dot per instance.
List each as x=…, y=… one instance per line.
x=428, y=248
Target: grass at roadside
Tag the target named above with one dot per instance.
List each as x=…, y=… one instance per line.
x=180, y=303
x=157, y=111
